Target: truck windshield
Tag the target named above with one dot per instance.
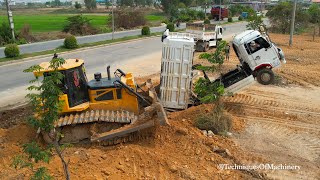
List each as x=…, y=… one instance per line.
x=256, y=45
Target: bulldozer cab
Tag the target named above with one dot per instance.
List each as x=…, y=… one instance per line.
x=74, y=84
x=80, y=94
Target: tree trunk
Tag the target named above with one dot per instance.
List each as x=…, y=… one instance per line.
x=64, y=163
x=314, y=32
x=319, y=31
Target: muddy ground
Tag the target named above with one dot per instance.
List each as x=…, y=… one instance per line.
x=275, y=124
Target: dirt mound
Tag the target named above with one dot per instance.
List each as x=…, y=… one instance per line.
x=176, y=151
x=9, y=118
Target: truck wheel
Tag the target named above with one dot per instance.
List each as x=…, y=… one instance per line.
x=206, y=47
x=265, y=76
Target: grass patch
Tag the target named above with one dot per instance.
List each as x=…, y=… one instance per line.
x=56, y=22
x=47, y=22
x=62, y=49
x=215, y=120
x=155, y=17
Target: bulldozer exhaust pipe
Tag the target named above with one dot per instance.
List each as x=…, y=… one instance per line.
x=108, y=70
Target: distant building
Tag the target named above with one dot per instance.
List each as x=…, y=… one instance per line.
x=316, y=1
x=256, y=5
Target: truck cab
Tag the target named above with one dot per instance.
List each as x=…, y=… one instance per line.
x=204, y=35
x=258, y=55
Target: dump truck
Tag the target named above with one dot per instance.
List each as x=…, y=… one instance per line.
x=107, y=110
x=215, y=12
x=205, y=35
x=257, y=55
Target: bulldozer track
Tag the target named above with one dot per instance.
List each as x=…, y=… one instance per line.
x=86, y=122
x=124, y=117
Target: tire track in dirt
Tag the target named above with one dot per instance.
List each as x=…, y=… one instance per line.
x=281, y=128
x=250, y=100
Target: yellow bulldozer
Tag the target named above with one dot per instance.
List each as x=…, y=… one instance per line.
x=107, y=110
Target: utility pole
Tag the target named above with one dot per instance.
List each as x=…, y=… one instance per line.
x=112, y=20
x=10, y=20
x=292, y=21
x=220, y=12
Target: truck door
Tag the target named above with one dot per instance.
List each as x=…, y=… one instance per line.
x=262, y=52
x=219, y=33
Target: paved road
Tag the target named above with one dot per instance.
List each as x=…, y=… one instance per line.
x=141, y=57
x=49, y=45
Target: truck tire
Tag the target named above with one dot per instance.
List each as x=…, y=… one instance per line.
x=265, y=76
x=206, y=47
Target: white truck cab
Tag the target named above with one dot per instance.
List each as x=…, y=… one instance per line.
x=257, y=55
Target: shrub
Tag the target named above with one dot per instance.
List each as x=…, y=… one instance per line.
x=11, y=50
x=166, y=21
x=170, y=26
x=25, y=34
x=70, y=42
x=216, y=121
x=184, y=18
x=230, y=19
x=79, y=25
x=129, y=19
x=145, y=30
x=240, y=18
x=206, y=21
x=5, y=34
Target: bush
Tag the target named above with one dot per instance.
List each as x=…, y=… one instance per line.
x=70, y=42
x=11, y=50
x=216, y=121
x=145, y=31
x=165, y=21
x=25, y=34
x=5, y=34
x=206, y=21
x=170, y=26
x=128, y=19
x=230, y=19
x=240, y=18
x=79, y=25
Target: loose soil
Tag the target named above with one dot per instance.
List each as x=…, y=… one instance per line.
x=275, y=124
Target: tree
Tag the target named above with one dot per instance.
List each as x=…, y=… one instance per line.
x=280, y=17
x=210, y=92
x=44, y=99
x=169, y=5
x=5, y=34
x=206, y=90
x=90, y=4
x=77, y=5
x=56, y=3
x=126, y=3
x=79, y=25
x=254, y=22
x=314, y=12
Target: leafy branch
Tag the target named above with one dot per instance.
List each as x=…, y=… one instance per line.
x=44, y=99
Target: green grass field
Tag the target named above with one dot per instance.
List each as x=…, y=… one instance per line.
x=52, y=22
x=47, y=23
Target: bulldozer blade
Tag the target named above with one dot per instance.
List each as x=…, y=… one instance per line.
x=121, y=131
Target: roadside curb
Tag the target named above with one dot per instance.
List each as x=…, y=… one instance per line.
x=73, y=51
